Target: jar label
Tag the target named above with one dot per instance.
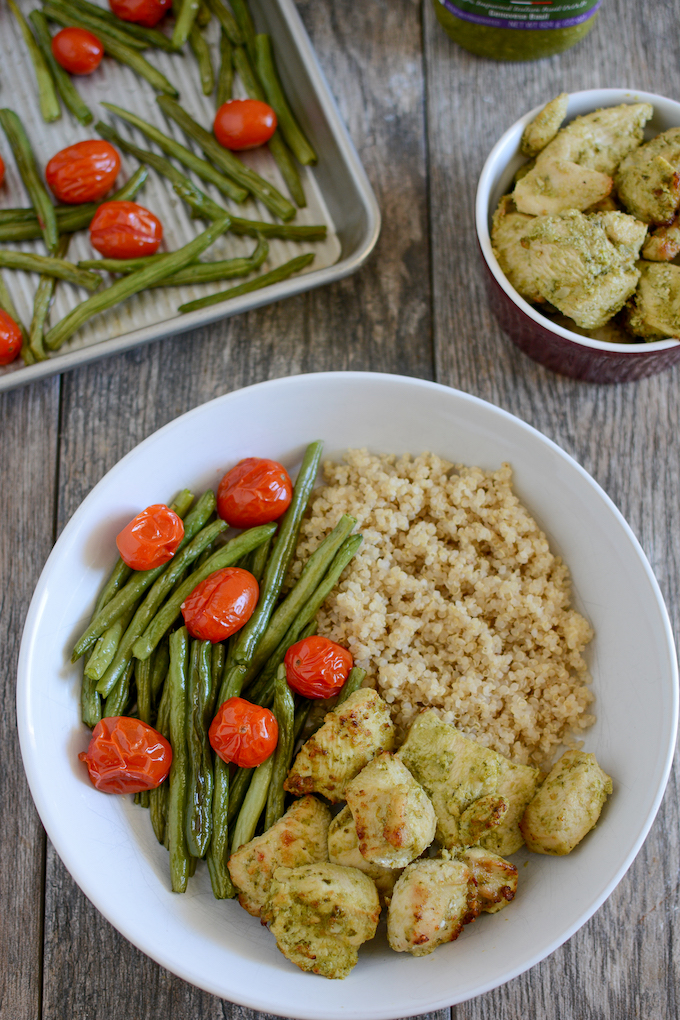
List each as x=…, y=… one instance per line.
x=523, y=13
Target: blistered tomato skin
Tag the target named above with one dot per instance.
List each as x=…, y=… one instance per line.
x=317, y=667
x=126, y=756
x=77, y=50
x=2, y=169
x=151, y=538
x=125, y=230
x=83, y=172
x=255, y=491
x=144, y=12
x=10, y=338
x=220, y=605
x=244, y=124
x=243, y=733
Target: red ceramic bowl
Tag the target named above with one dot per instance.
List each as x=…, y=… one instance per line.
x=551, y=345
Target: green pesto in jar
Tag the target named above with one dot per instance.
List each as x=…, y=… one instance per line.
x=516, y=29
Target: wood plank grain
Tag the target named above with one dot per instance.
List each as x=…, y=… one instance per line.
x=379, y=320
x=624, y=962
x=28, y=471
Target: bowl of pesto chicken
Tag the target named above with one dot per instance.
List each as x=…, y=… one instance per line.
x=578, y=222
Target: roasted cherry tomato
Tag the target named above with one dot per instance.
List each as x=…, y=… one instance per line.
x=77, y=50
x=255, y=491
x=125, y=230
x=151, y=538
x=317, y=667
x=243, y=733
x=144, y=12
x=244, y=124
x=10, y=338
x=220, y=605
x=2, y=169
x=126, y=756
x=83, y=172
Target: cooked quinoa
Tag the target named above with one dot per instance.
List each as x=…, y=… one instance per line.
x=454, y=601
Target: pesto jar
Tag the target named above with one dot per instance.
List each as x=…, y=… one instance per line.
x=516, y=29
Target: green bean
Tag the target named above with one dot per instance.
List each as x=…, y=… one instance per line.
x=284, y=710
x=90, y=703
x=42, y=299
x=277, y=146
x=159, y=669
x=129, y=285
x=25, y=160
x=301, y=714
x=49, y=266
x=82, y=19
x=290, y=129
x=143, y=680
x=184, y=22
x=273, y=276
x=117, y=700
x=150, y=36
x=17, y=216
x=199, y=537
x=245, y=24
x=7, y=305
x=253, y=805
x=121, y=265
x=158, y=799
x=177, y=680
x=224, y=557
x=261, y=691
x=312, y=574
x=106, y=647
x=129, y=591
x=351, y=684
x=216, y=667
x=227, y=162
x=204, y=16
x=226, y=20
x=201, y=51
x=47, y=93
x=225, y=77
x=260, y=557
x=286, y=231
x=218, y=851
x=65, y=87
x=200, y=771
x=239, y=789
x=172, y=148
x=124, y=53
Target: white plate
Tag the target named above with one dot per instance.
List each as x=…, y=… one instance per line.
x=107, y=843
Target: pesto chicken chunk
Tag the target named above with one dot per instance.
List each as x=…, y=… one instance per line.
x=320, y=914
x=654, y=311
x=299, y=837
x=663, y=244
x=432, y=901
x=567, y=805
x=496, y=878
x=600, y=140
x=545, y=125
x=507, y=230
x=343, y=848
x=477, y=794
x=394, y=818
x=352, y=734
x=555, y=185
x=648, y=180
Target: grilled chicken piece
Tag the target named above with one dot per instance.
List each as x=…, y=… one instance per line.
x=663, y=244
x=625, y=232
x=300, y=837
x=352, y=734
x=578, y=269
x=600, y=140
x=558, y=184
x=654, y=311
x=567, y=805
x=478, y=795
x=507, y=230
x=648, y=180
x=545, y=125
x=394, y=817
x=496, y=878
x=432, y=900
x=321, y=914
x=343, y=848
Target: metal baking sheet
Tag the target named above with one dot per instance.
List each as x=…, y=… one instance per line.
x=337, y=190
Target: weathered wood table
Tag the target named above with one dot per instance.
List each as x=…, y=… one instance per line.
x=423, y=115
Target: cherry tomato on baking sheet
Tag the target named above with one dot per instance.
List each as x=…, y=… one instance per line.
x=255, y=491
x=77, y=50
x=144, y=12
x=243, y=733
x=83, y=172
x=2, y=169
x=10, y=338
x=244, y=124
x=126, y=755
x=220, y=605
x=317, y=667
x=151, y=538
x=125, y=230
